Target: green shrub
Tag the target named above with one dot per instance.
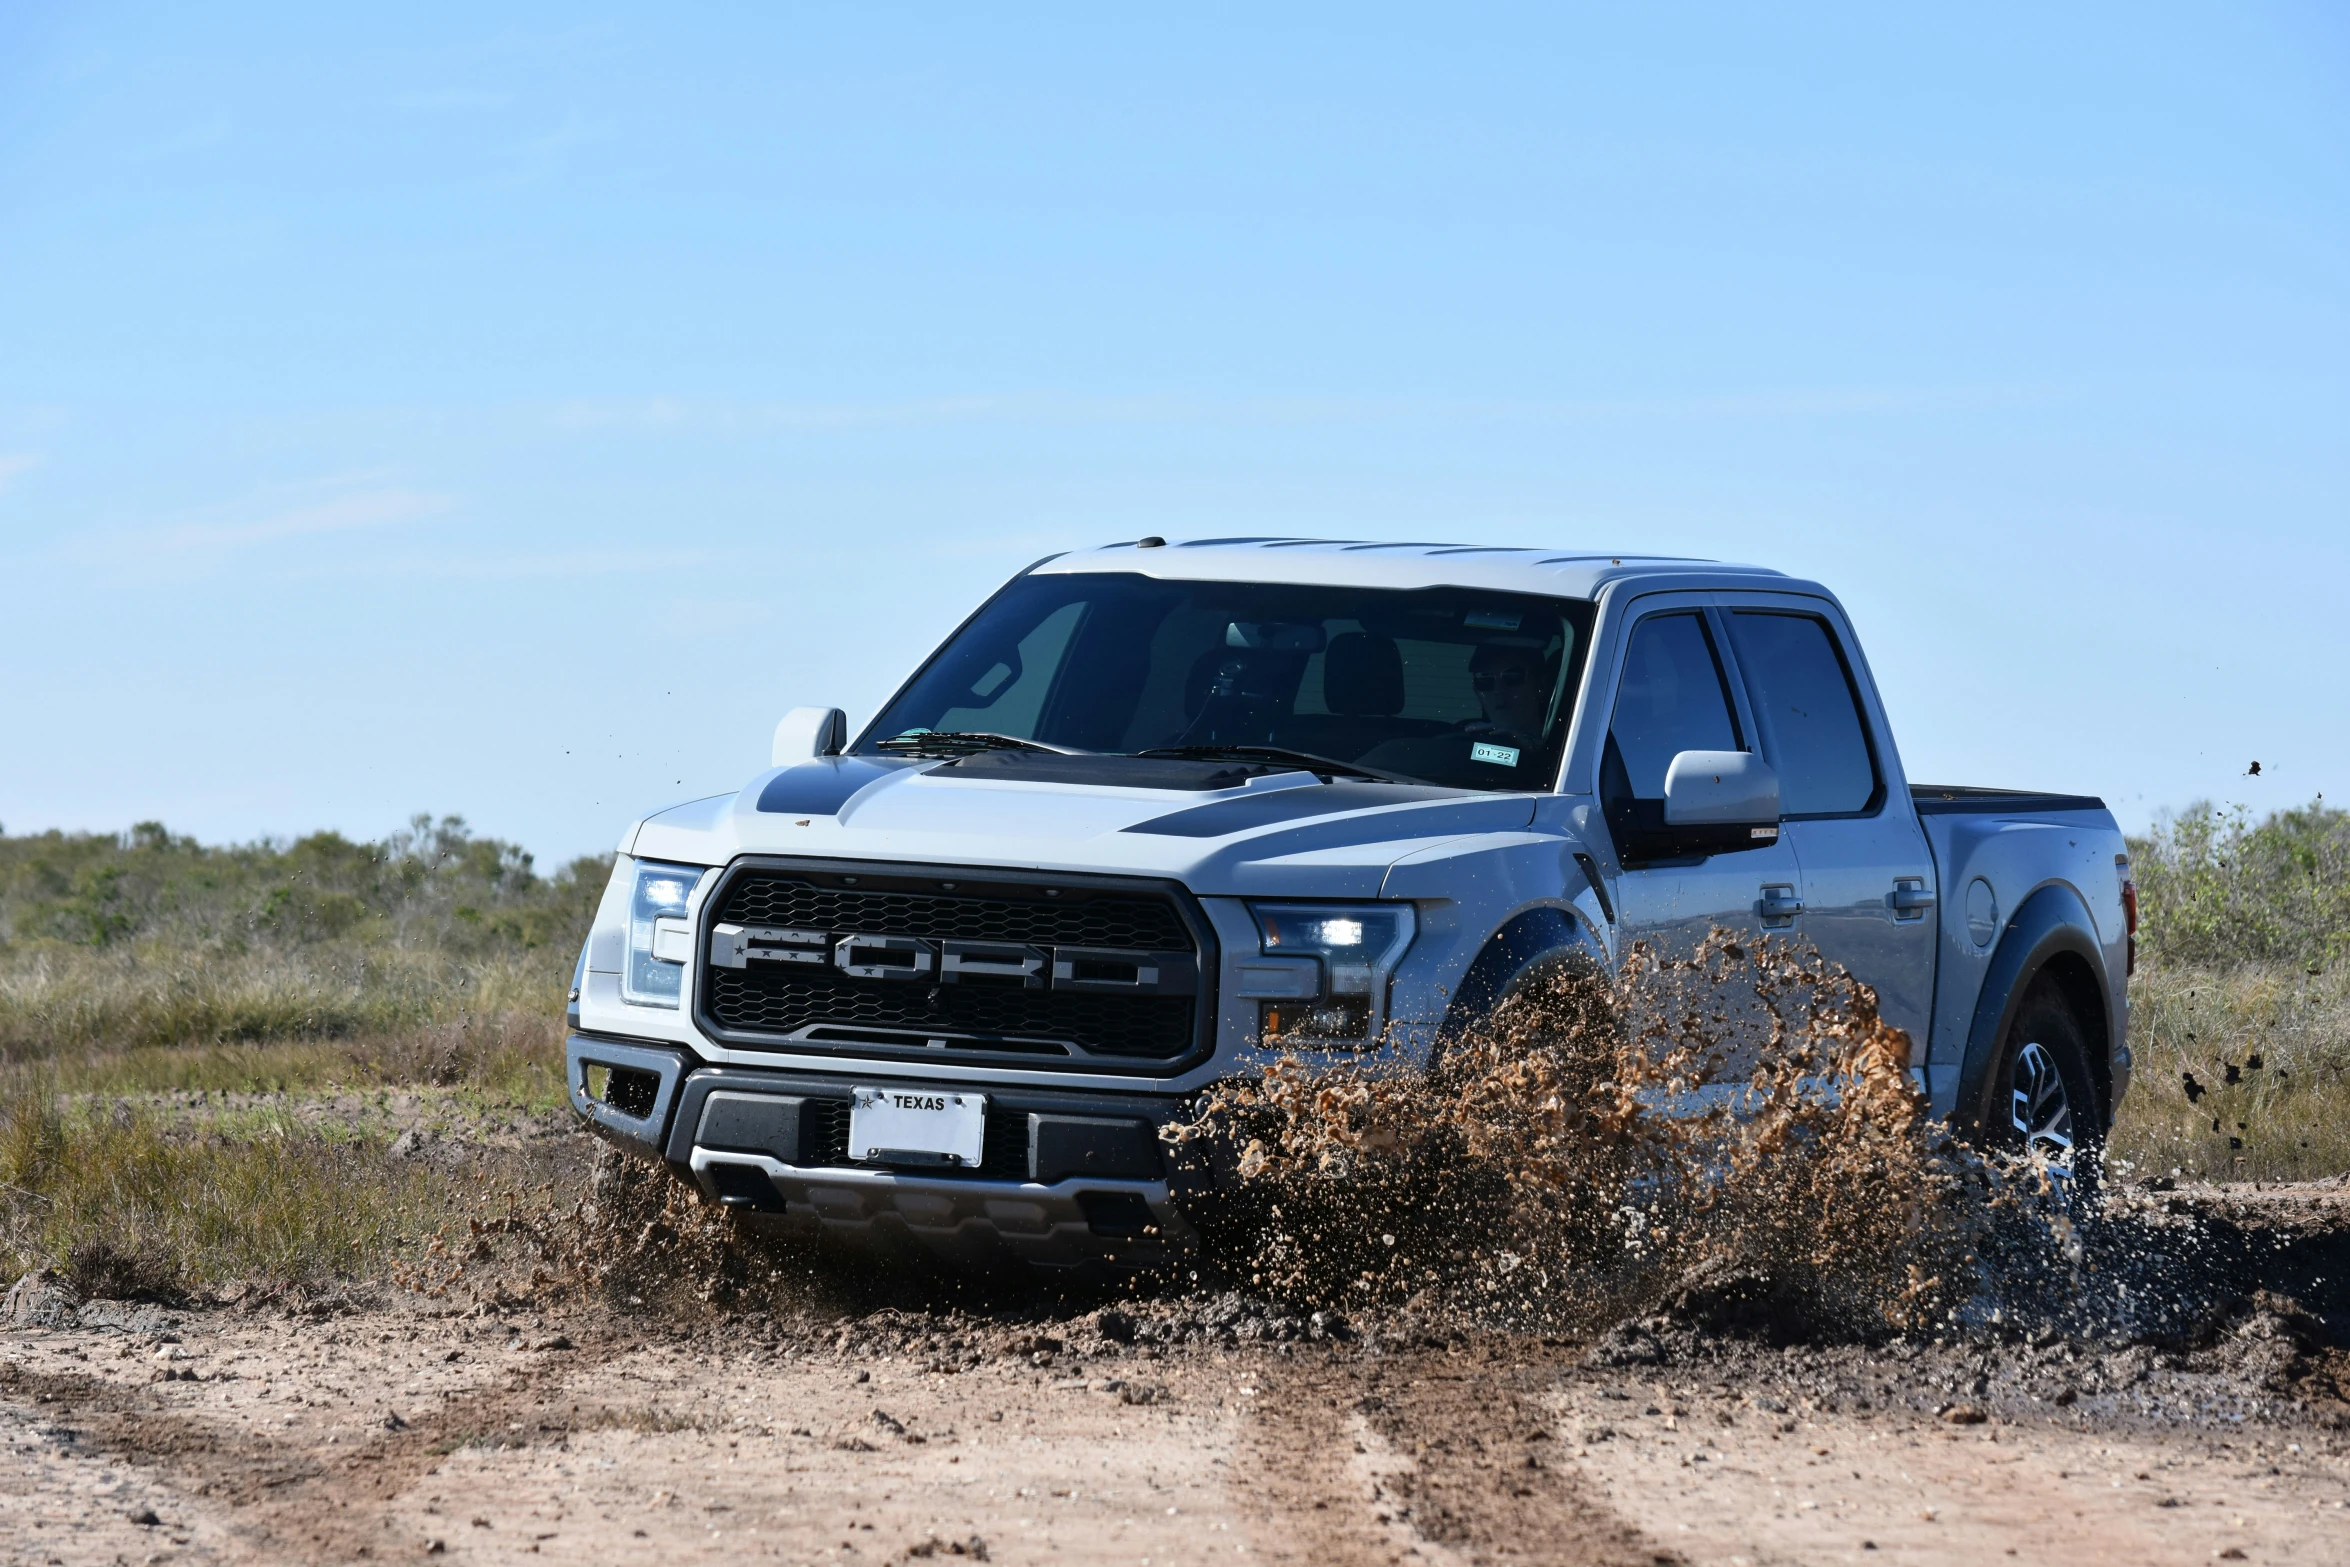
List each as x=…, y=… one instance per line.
x=147, y=940
x=2215, y=889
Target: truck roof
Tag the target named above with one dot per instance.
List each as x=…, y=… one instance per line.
x=1557, y=573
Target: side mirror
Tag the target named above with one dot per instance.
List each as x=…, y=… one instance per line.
x=808, y=732
x=1720, y=801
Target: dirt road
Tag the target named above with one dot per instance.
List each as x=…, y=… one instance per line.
x=1173, y=1434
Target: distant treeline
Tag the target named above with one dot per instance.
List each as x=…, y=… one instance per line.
x=2213, y=885
x=434, y=885
x=148, y=939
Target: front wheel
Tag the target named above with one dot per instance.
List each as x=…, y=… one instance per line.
x=2043, y=1100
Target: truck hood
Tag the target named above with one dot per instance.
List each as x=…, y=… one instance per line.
x=1250, y=833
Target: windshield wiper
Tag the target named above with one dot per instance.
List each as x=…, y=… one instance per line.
x=966, y=742
x=1306, y=760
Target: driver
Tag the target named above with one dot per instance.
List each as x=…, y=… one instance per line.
x=1512, y=682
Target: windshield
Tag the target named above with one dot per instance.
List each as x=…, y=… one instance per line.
x=1452, y=686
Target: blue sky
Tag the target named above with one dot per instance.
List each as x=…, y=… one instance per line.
x=512, y=412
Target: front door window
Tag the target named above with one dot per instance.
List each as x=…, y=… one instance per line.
x=1673, y=697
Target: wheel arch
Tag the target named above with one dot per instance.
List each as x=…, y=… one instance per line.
x=2051, y=935
x=1524, y=942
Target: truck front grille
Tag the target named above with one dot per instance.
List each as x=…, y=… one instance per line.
x=1054, y=971
x=800, y=903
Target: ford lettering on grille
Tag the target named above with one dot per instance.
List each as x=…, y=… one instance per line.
x=902, y=958
x=869, y=959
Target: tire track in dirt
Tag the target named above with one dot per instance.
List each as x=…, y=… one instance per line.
x=1435, y=1456
x=1304, y=1479
x=283, y=1500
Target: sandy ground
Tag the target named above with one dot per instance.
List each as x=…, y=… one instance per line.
x=1723, y=1482
x=393, y=1431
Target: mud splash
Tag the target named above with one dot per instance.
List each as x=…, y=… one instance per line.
x=1734, y=1131
x=1722, y=1146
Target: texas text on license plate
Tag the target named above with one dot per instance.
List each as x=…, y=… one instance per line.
x=917, y=1126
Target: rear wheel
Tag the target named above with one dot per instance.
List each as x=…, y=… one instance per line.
x=2043, y=1100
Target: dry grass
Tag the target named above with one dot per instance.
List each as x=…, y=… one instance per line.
x=58, y=1001
x=121, y=1197
x=2240, y=1013
x=145, y=965
x=512, y=1057
x=113, y=1199
x=2281, y=1033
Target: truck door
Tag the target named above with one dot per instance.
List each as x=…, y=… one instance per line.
x=1868, y=876
x=1673, y=695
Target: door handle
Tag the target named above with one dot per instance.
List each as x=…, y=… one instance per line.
x=1779, y=905
x=1910, y=900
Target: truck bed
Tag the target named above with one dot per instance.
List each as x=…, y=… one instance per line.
x=1994, y=850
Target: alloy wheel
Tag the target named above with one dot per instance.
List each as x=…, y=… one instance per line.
x=2041, y=1111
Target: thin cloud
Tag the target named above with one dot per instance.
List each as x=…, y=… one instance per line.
x=343, y=514
x=662, y=414
x=15, y=464
x=520, y=565
x=438, y=99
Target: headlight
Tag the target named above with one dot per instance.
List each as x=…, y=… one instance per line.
x=1354, y=948
x=659, y=937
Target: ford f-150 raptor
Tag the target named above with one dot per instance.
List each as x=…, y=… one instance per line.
x=1160, y=813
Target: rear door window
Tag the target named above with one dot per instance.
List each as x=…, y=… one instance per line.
x=1809, y=711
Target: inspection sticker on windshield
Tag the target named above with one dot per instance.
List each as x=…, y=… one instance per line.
x=1492, y=619
x=1498, y=755
x=917, y=1126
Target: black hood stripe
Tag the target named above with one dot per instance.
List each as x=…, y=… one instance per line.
x=1270, y=809
x=821, y=787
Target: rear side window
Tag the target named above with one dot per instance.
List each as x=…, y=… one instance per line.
x=1809, y=712
x=1672, y=700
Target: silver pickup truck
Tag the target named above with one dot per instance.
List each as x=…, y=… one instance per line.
x=1160, y=813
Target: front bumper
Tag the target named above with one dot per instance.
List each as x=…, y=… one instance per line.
x=1070, y=1177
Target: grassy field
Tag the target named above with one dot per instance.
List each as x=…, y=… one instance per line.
x=120, y=944
x=2240, y=1012
x=149, y=966
x=138, y=971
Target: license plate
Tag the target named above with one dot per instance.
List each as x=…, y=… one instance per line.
x=917, y=1126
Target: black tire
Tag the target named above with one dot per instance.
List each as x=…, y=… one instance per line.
x=2043, y=1097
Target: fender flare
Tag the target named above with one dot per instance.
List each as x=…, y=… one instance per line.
x=1525, y=940
x=2053, y=933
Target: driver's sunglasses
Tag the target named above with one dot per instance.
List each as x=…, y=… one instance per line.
x=1495, y=680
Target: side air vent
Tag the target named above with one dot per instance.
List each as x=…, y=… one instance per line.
x=624, y=1089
